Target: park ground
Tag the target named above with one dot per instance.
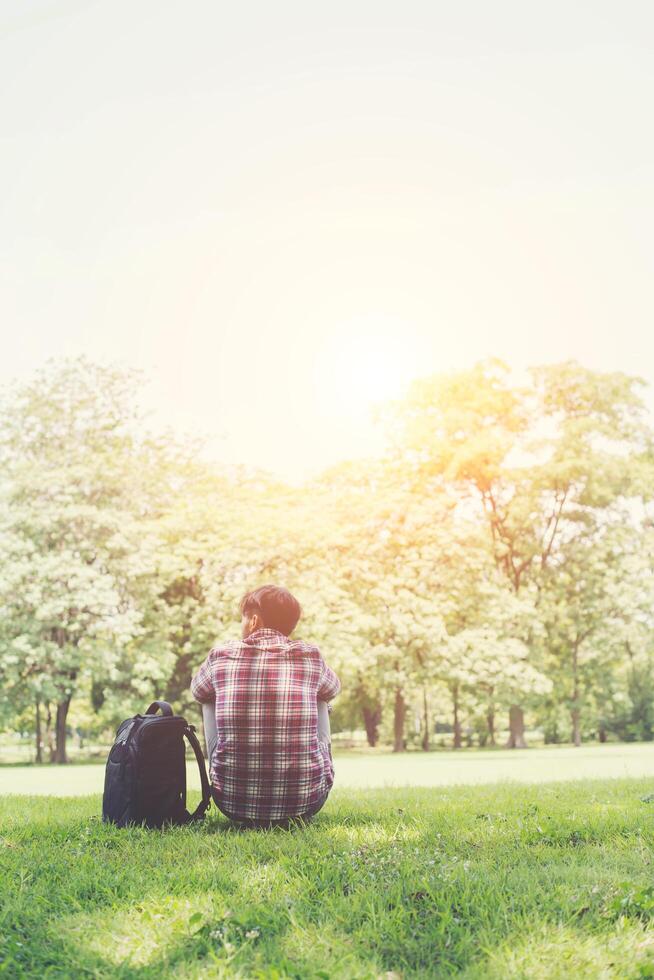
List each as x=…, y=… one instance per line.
x=540, y=867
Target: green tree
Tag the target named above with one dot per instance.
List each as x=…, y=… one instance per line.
x=543, y=462
x=82, y=491
x=597, y=612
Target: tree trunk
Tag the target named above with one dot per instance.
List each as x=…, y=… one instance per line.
x=516, y=738
x=601, y=734
x=398, y=721
x=425, y=721
x=575, y=712
x=371, y=719
x=38, y=732
x=50, y=735
x=62, y=713
x=457, y=723
x=490, y=722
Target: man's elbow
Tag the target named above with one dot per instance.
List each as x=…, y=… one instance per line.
x=334, y=691
x=199, y=695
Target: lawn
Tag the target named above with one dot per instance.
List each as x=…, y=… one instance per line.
x=492, y=881
x=378, y=769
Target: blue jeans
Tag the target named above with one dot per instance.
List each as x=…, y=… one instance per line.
x=211, y=738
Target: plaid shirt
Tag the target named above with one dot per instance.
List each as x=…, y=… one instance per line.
x=268, y=763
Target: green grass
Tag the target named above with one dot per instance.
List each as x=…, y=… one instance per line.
x=552, y=880
x=379, y=768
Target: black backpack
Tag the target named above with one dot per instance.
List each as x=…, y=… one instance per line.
x=145, y=779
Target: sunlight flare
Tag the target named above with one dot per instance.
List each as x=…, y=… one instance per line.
x=364, y=363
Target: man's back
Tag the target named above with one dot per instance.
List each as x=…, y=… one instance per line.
x=268, y=763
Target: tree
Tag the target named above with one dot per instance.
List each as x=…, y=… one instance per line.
x=379, y=563
x=484, y=657
x=81, y=494
x=543, y=462
x=597, y=608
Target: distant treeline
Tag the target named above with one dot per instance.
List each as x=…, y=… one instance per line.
x=496, y=562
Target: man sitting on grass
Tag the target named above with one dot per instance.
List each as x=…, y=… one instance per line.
x=270, y=763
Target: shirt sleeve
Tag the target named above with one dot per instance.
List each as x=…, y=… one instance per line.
x=202, y=686
x=329, y=683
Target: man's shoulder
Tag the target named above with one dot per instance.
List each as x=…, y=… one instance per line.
x=224, y=649
x=304, y=647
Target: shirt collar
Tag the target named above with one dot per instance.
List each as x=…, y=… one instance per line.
x=265, y=634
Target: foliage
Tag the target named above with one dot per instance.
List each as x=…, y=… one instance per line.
x=80, y=497
x=499, y=557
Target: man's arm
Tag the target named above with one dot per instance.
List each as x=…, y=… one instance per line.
x=329, y=683
x=202, y=687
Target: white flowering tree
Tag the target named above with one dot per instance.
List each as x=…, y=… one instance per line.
x=82, y=491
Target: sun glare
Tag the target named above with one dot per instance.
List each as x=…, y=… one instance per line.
x=362, y=365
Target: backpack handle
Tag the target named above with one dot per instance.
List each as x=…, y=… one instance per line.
x=163, y=705
x=205, y=802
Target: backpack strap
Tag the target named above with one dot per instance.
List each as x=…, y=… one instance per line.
x=163, y=705
x=205, y=802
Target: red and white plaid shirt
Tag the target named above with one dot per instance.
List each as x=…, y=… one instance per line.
x=268, y=763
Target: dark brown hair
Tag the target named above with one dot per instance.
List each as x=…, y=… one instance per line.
x=278, y=609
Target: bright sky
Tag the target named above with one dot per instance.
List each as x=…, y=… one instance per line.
x=283, y=211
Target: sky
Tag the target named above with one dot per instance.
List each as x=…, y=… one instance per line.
x=282, y=213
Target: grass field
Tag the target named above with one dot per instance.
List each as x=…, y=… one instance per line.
x=497, y=881
x=378, y=769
